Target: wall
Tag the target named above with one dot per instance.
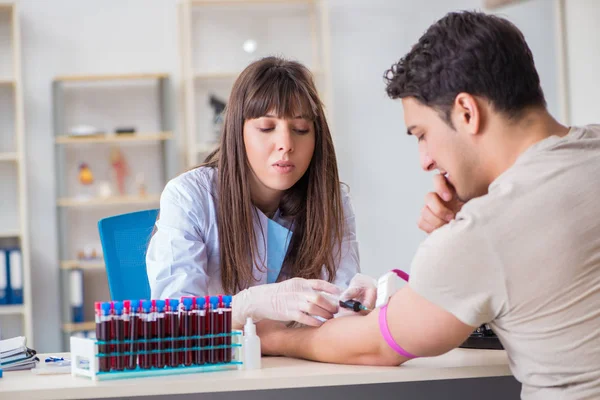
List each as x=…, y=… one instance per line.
x=583, y=59
x=376, y=158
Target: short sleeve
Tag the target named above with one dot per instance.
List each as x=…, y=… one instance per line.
x=457, y=269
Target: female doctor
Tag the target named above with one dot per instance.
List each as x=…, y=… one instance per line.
x=264, y=218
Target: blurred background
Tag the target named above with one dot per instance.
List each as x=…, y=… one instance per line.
x=103, y=101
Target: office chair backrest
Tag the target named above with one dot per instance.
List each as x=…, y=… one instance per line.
x=124, y=240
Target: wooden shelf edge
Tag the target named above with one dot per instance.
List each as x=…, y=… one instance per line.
x=12, y=309
x=9, y=156
x=10, y=234
x=85, y=265
x=78, y=327
x=109, y=201
x=114, y=138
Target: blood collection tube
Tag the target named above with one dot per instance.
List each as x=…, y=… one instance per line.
x=173, y=324
x=220, y=325
x=146, y=317
x=227, y=328
x=104, y=335
x=207, y=330
x=168, y=343
x=126, y=329
x=200, y=328
x=119, y=336
x=160, y=333
x=153, y=344
x=133, y=333
x=97, y=315
x=195, y=341
x=187, y=330
x=113, y=347
x=214, y=329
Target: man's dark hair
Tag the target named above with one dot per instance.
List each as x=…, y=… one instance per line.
x=483, y=55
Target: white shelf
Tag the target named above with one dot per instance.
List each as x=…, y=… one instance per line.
x=216, y=75
x=86, y=265
x=241, y=2
x=14, y=309
x=108, y=201
x=114, y=138
x=79, y=327
x=13, y=82
x=313, y=48
x=206, y=147
x=108, y=77
x=10, y=234
x=9, y=156
x=233, y=74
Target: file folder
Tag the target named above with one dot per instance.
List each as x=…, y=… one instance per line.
x=76, y=295
x=15, y=280
x=4, y=289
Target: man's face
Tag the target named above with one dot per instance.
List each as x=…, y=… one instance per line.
x=451, y=151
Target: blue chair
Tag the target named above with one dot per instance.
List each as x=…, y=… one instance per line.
x=124, y=240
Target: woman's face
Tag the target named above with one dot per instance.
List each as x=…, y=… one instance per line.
x=279, y=150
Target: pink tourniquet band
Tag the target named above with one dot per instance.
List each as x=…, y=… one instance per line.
x=385, y=331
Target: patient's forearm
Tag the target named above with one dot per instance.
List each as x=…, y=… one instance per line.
x=345, y=340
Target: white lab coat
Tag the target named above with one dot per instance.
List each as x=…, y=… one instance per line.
x=183, y=255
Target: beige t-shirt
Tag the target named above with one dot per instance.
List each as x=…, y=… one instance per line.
x=526, y=258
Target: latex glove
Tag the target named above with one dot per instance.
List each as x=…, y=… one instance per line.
x=296, y=300
x=362, y=288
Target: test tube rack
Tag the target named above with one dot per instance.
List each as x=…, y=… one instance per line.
x=136, y=338
x=85, y=357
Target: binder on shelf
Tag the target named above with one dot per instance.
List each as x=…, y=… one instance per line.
x=15, y=267
x=4, y=276
x=76, y=295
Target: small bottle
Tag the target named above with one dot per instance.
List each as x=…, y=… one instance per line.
x=251, y=346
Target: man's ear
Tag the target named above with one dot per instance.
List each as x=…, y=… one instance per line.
x=467, y=113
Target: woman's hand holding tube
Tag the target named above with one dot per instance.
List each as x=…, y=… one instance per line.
x=362, y=288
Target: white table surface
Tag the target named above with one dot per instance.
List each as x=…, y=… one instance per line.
x=277, y=373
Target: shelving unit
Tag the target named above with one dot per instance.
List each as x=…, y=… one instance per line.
x=211, y=61
x=14, y=221
x=141, y=100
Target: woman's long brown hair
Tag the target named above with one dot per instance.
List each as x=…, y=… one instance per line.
x=314, y=203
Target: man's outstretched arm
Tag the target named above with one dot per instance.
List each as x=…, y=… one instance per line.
x=418, y=326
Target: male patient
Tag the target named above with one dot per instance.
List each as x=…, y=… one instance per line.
x=523, y=251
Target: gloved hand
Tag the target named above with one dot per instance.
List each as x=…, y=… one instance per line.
x=362, y=288
x=296, y=299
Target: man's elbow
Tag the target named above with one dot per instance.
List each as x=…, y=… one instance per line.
x=382, y=356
